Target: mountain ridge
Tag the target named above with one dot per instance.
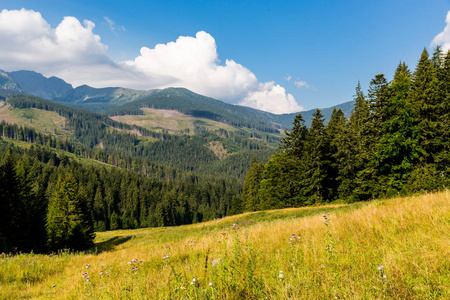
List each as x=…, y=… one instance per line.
x=105, y=100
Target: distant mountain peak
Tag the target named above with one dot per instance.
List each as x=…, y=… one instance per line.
x=36, y=84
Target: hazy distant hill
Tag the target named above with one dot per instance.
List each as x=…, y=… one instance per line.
x=120, y=101
x=7, y=84
x=286, y=119
x=37, y=85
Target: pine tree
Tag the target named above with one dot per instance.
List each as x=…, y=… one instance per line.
x=333, y=138
x=252, y=182
x=397, y=149
x=9, y=196
x=66, y=225
x=293, y=141
x=352, y=154
x=280, y=184
x=315, y=163
x=425, y=101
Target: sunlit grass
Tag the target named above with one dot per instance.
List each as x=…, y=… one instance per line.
x=390, y=249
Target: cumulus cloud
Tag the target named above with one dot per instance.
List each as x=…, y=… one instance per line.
x=193, y=63
x=74, y=53
x=443, y=38
x=271, y=97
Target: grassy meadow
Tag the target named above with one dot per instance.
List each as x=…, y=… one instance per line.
x=171, y=120
x=383, y=249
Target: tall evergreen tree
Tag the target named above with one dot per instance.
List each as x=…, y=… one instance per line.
x=9, y=197
x=334, y=132
x=397, y=149
x=252, y=182
x=352, y=154
x=293, y=141
x=66, y=226
x=425, y=101
x=315, y=161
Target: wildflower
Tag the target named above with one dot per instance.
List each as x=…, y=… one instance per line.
x=210, y=284
x=328, y=212
x=101, y=273
x=293, y=235
x=53, y=285
x=380, y=267
x=85, y=274
x=215, y=262
x=135, y=260
x=87, y=279
x=182, y=288
x=281, y=276
x=87, y=266
x=384, y=276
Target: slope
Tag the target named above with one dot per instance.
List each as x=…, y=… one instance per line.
x=393, y=249
x=96, y=136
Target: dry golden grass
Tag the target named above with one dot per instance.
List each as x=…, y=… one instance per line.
x=171, y=120
x=46, y=122
x=336, y=258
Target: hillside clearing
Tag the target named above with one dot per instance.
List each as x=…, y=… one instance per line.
x=171, y=120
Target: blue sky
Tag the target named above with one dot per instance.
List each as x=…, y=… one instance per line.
x=322, y=47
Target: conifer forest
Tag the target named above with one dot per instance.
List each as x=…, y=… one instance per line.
x=396, y=141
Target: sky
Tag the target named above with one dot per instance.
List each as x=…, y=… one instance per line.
x=277, y=56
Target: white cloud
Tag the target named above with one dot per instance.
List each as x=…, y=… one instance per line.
x=443, y=38
x=272, y=97
x=288, y=77
x=113, y=26
x=303, y=84
x=193, y=63
x=74, y=53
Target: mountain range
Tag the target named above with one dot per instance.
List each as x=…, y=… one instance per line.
x=119, y=101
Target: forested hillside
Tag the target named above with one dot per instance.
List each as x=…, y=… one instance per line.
x=396, y=141
x=149, y=178
x=131, y=147
x=50, y=202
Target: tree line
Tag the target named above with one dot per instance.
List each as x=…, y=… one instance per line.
x=396, y=142
x=49, y=201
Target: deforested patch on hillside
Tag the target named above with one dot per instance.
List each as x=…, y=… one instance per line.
x=218, y=149
x=173, y=121
x=46, y=122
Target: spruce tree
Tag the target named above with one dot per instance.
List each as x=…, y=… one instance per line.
x=293, y=141
x=66, y=225
x=352, y=154
x=315, y=163
x=397, y=149
x=334, y=134
x=252, y=182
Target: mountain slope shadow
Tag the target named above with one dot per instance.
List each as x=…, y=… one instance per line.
x=112, y=243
